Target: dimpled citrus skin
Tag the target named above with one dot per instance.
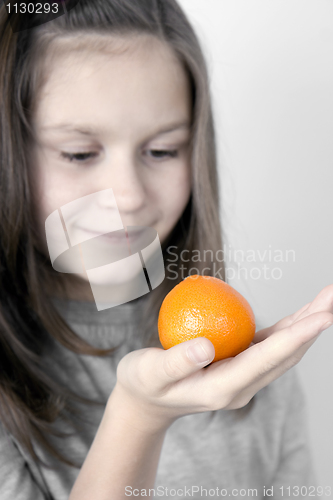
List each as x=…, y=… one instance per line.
x=203, y=306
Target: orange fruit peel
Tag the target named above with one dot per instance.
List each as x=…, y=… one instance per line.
x=203, y=306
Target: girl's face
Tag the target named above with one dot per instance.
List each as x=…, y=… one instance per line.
x=115, y=118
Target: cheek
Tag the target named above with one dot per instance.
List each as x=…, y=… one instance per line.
x=172, y=195
x=54, y=189
x=51, y=191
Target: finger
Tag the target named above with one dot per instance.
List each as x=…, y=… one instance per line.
x=322, y=302
x=183, y=359
x=232, y=382
x=280, y=325
x=273, y=372
x=154, y=369
x=277, y=350
x=243, y=397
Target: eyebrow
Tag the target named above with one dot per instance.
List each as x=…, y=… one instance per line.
x=86, y=130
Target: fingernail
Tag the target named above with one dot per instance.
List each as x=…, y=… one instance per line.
x=327, y=325
x=197, y=354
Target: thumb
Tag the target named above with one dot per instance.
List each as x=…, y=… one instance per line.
x=188, y=357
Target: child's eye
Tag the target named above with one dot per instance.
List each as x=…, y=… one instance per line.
x=161, y=154
x=79, y=157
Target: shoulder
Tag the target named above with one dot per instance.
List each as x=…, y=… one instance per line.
x=19, y=477
x=8, y=450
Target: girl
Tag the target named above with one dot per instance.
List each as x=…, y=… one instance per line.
x=114, y=95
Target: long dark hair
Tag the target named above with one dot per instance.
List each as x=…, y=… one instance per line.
x=30, y=401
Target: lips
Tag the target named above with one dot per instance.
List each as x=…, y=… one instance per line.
x=120, y=236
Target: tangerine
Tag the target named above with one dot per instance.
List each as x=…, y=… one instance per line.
x=203, y=306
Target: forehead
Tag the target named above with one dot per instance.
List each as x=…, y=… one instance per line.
x=112, y=79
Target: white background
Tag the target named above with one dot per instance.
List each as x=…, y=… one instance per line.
x=271, y=67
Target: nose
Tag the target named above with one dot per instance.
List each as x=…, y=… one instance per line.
x=123, y=174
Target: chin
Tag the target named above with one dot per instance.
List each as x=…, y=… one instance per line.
x=114, y=276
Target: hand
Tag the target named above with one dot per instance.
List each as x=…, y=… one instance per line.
x=163, y=385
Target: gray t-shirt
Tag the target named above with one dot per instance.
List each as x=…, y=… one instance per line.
x=238, y=453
